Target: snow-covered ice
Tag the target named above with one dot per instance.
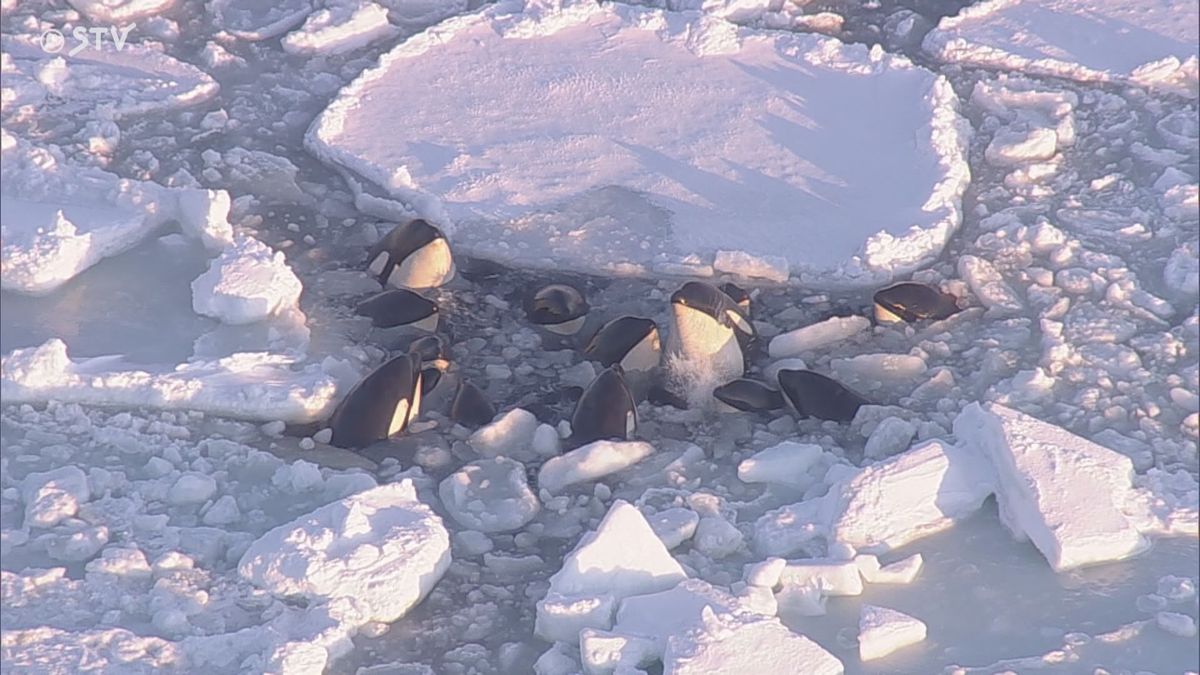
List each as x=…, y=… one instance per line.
x=248, y=282
x=383, y=548
x=911, y=495
x=787, y=463
x=255, y=21
x=120, y=11
x=1151, y=42
x=254, y=386
x=882, y=631
x=489, y=495
x=594, y=460
x=622, y=557
x=650, y=189
x=511, y=434
x=902, y=571
x=816, y=336
x=341, y=26
x=831, y=577
x=1063, y=492
x=728, y=646
x=59, y=219
x=674, y=526
x=106, y=83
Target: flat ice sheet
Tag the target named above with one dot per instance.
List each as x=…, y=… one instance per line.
x=614, y=138
x=1097, y=40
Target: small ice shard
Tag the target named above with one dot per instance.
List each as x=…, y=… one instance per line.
x=674, y=526
x=817, y=335
x=594, y=460
x=510, y=434
x=832, y=577
x=786, y=463
x=882, y=631
x=902, y=571
x=52, y=496
x=490, y=495
x=989, y=286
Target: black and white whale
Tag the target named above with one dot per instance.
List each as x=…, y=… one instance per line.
x=471, y=407
x=909, y=301
x=749, y=395
x=400, y=307
x=413, y=255
x=815, y=395
x=628, y=341
x=382, y=404
x=559, y=308
x=707, y=326
x=606, y=411
x=739, y=296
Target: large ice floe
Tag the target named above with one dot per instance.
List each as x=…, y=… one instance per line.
x=627, y=140
x=1148, y=42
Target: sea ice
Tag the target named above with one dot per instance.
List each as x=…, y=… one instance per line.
x=890, y=437
x=52, y=496
x=716, y=537
x=603, y=652
x=1064, y=492
x=786, y=463
x=1014, y=146
x=622, y=557
x=490, y=495
x=248, y=282
x=342, y=26
x=1150, y=42
x=45, y=648
x=192, y=488
x=769, y=267
x=106, y=83
x=902, y=571
x=882, y=631
x=592, y=461
x=989, y=286
x=58, y=219
x=650, y=191
x=253, y=385
x=816, y=336
x=657, y=617
x=511, y=434
x=250, y=20
x=382, y=548
x=832, y=577
x=120, y=11
x=674, y=526
x=733, y=646
x=1177, y=624
x=909, y=496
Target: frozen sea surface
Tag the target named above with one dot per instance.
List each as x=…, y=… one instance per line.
x=126, y=516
